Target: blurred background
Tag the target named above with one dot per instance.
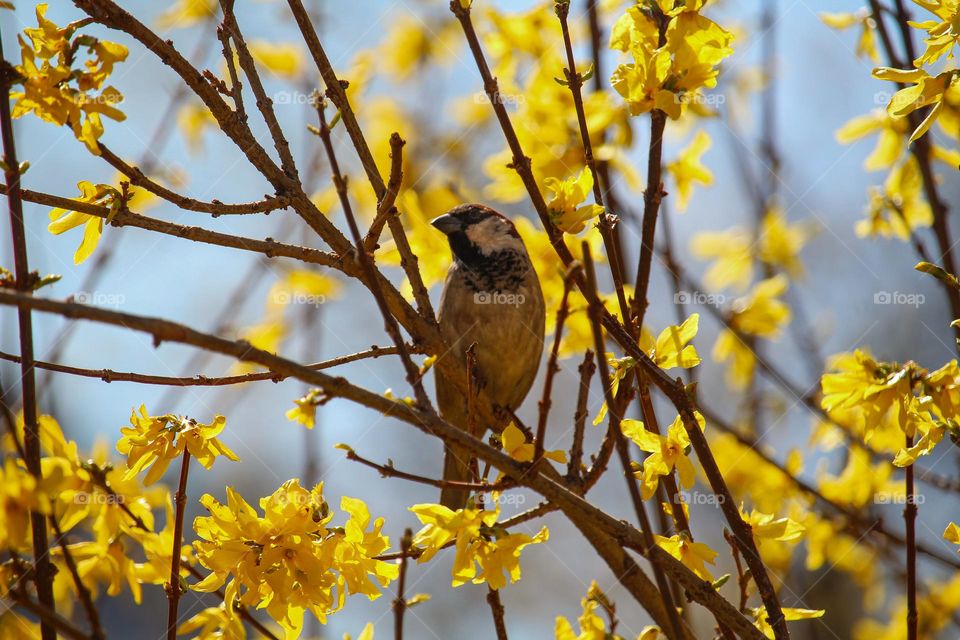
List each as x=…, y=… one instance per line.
x=819, y=85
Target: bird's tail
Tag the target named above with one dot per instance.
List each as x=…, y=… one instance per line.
x=456, y=467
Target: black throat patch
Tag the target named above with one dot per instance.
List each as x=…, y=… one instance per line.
x=501, y=271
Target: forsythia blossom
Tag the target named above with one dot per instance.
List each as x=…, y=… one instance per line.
x=55, y=91
x=290, y=560
x=478, y=541
x=154, y=441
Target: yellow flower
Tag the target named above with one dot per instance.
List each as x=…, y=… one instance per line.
x=18, y=497
x=761, y=313
x=516, y=446
x=688, y=168
x=695, y=555
x=666, y=453
x=478, y=542
x=867, y=43
x=567, y=211
x=186, y=13
x=780, y=242
x=214, y=623
x=289, y=560
x=154, y=441
x=194, y=119
x=789, y=613
x=731, y=252
x=305, y=411
x=765, y=526
x=898, y=208
x=926, y=90
x=365, y=634
x=890, y=143
x=592, y=626
x=942, y=34
x=57, y=93
x=63, y=219
x=952, y=533
x=672, y=347
x=283, y=59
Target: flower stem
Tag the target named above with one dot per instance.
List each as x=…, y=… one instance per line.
x=173, y=590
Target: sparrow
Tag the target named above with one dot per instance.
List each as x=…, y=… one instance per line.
x=491, y=299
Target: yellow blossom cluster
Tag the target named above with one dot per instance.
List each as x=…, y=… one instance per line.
x=57, y=90
x=675, y=52
x=290, y=559
x=479, y=542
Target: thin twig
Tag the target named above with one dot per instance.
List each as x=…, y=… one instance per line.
x=216, y=208
x=552, y=367
x=910, y=522
x=108, y=375
x=174, y=590
x=614, y=417
x=366, y=262
x=400, y=602
x=389, y=471
x=43, y=569
x=586, y=370
x=89, y=608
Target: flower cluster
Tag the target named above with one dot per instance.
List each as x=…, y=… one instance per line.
x=478, y=542
x=290, y=559
x=57, y=90
x=675, y=52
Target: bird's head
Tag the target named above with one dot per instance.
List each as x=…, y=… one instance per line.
x=476, y=232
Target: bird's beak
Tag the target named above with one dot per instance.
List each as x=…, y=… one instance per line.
x=447, y=224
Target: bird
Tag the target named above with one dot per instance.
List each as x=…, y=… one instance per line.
x=491, y=299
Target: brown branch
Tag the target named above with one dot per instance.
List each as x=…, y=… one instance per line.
x=408, y=259
x=400, y=602
x=605, y=532
x=497, y=610
x=385, y=207
x=264, y=103
x=43, y=569
x=586, y=369
x=607, y=224
x=389, y=471
x=652, y=196
x=613, y=413
x=108, y=375
x=216, y=208
x=269, y=247
x=910, y=523
x=174, y=590
x=86, y=600
x=391, y=325
x=552, y=367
